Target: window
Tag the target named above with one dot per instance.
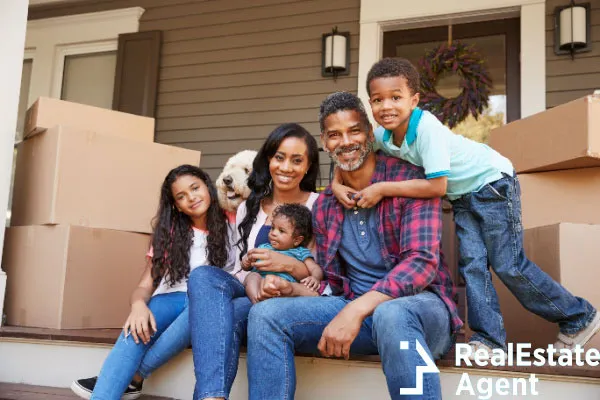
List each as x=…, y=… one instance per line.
x=89, y=78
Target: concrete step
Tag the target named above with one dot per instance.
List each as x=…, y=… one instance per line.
x=56, y=363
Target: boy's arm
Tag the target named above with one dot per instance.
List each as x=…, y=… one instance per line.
x=341, y=191
x=413, y=188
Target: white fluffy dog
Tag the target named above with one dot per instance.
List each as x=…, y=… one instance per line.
x=232, y=183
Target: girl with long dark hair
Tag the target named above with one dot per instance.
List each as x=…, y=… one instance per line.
x=158, y=325
x=285, y=170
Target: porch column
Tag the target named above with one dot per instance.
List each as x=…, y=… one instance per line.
x=13, y=25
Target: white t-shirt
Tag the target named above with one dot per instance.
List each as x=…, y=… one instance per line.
x=198, y=258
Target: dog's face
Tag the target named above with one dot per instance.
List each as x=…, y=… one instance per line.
x=232, y=183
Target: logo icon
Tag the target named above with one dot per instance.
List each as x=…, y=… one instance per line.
x=428, y=368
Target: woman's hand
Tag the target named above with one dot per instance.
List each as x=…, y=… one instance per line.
x=274, y=286
x=270, y=261
x=140, y=323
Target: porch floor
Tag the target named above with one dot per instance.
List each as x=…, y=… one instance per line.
x=14, y=391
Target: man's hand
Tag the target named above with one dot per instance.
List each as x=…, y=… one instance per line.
x=370, y=196
x=339, y=334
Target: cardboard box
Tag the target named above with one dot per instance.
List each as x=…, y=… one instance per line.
x=569, y=253
x=71, y=277
x=69, y=176
x=47, y=112
x=563, y=137
x=560, y=196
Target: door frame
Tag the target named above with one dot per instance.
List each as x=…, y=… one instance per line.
x=510, y=28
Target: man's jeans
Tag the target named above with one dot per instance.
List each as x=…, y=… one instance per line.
x=170, y=311
x=488, y=225
x=278, y=326
x=218, y=318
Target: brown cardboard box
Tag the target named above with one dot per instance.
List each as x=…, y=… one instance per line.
x=69, y=176
x=47, y=112
x=560, y=196
x=70, y=277
x=569, y=253
x=564, y=137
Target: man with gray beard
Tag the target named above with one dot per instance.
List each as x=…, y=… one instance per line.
x=385, y=292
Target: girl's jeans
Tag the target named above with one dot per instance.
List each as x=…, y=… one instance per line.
x=489, y=229
x=218, y=317
x=170, y=311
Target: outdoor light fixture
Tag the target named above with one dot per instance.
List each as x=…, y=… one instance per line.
x=336, y=53
x=572, y=26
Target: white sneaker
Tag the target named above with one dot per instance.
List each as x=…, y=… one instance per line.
x=566, y=341
x=484, y=350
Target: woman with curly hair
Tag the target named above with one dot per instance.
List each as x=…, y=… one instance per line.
x=158, y=325
x=285, y=170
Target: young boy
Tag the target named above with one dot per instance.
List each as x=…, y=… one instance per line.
x=291, y=231
x=484, y=191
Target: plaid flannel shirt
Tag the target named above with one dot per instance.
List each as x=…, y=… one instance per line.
x=410, y=235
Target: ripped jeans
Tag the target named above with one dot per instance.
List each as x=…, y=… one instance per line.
x=170, y=311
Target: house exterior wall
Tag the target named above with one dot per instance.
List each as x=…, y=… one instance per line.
x=566, y=79
x=232, y=70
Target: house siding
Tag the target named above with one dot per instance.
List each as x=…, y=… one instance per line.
x=232, y=70
x=568, y=79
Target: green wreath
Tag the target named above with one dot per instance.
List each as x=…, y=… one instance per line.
x=475, y=82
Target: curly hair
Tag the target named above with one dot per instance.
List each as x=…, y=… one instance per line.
x=173, y=235
x=342, y=101
x=259, y=180
x=300, y=217
x=390, y=67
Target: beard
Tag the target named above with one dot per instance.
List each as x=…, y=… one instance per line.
x=349, y=166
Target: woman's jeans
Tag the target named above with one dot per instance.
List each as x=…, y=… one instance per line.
x=396, y=330
x=218, y=317
x=489, y=229
x=170, y=311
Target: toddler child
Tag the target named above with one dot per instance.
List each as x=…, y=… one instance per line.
x=485, y=195
x=291, y=231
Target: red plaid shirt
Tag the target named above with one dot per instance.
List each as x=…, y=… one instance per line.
x=409, y=232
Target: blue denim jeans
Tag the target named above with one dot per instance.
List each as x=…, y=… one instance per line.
x=280, y=326
x=218, y=319
x=489, y=229
x=170, y=311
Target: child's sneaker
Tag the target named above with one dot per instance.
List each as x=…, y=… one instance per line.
x=581, y=338
x=84, y=388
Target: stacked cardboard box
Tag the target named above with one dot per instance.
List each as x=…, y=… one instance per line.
x=556, y=155
x=87, y=183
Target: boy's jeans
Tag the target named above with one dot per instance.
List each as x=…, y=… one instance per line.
x=170, y=311
x=277, y=327
x=488, y=225
x=218, y=318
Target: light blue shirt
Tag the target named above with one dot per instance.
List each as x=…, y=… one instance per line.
x=428, y=143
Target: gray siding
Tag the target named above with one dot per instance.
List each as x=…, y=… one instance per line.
x=232, y=70
x=566, y=79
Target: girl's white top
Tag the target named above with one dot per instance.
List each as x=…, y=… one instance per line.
x=198, y=258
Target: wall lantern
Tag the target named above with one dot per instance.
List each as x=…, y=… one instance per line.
x=336, y=53
x=572, y=26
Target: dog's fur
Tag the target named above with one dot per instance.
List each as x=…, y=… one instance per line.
x=232, y=183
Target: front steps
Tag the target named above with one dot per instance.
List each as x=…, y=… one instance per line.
x=56, y=363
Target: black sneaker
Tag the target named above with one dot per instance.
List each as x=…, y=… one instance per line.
x=84, y=388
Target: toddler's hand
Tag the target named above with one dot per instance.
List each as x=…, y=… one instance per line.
x=246, y=263
x=311, y=282
x=369, y=196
